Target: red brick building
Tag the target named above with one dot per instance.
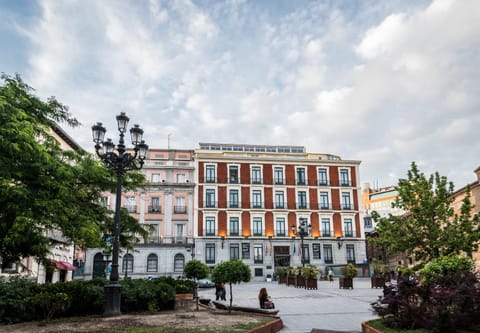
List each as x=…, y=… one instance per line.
x=253, y=199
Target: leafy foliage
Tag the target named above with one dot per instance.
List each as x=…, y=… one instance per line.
x=231, y=272
x=44, y=188
x=195, y=269
x=349, y=271
x=430, y=228
x=143, y=295
x=447, y=299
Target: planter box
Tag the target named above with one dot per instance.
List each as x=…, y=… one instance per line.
x=183, y=301
x=291, y=281
x=378, y=282
x=282, y=279
x=311, y=284
x=300, y=282
x=345, y=283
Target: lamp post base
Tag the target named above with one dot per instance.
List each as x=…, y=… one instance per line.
x=113, y=292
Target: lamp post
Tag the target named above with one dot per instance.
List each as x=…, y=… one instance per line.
x=120, y=161
x=303, y=231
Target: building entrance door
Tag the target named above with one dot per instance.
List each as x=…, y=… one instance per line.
x=281, y=256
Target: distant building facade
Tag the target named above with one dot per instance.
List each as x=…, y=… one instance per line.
x=475, y=199
x=166, y=205
x=248, y=198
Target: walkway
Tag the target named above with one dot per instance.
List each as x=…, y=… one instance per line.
x=328, y=308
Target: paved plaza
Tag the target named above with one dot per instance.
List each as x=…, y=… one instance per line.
x=329, y=307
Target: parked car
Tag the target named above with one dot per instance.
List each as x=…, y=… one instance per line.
x=205, y=283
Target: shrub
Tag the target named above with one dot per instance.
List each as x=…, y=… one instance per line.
x=13, y=293
x=185, y=286
x=145, y=295
x=349, y=271
x=447, y=299
x=46, y=304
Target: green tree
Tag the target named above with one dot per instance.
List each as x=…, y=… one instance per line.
x=44, y=188
x=429, y=228
x=195, y=269
x=232, y=271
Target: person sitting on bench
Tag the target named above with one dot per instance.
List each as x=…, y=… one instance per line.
x=264, y=299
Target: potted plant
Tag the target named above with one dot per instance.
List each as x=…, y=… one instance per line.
x=299, y=278
x=310, y=273
x=282, y=275
x=349, y=272
x=269, y=278
x=380, y=274
x=291, y=276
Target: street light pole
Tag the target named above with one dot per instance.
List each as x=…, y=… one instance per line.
x=303, y=231
x=120, y=161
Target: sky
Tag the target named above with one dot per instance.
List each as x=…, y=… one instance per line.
x=383, y=82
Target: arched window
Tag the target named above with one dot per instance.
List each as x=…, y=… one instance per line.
x=99, y=266
x=179, y=263
x=127, y=263
x=152, y=263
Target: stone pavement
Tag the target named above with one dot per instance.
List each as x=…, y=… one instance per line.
x=327, y=308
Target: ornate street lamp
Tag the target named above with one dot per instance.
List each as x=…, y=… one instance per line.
x=303, y=231
x=121, y=161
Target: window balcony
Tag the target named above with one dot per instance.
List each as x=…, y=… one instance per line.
x=347, y=206
x=210, y=232
x=210, y=179
x=256, y=181
x=180, y=209
x=279, y=181
x=233, y=180
x=325, y=205
x=154, y=209
x=280, y=205
x=280, y=233
x=234, y=204
x=210, y=260
x=348, y=233
x=209, y=204
x=302, y=205
x=326, y=234
x=258, y=261
x=345, y=182
x=257, y=234
x=323, y=182
x=131, y=209
x=301, y=182
x=256, y=204
x=234, y=233
x=328, y=260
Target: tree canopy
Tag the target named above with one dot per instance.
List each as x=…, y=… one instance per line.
x=43, y=187
x=430, y=227
x=231, y=272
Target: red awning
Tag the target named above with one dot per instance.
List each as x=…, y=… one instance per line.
x=63, y=265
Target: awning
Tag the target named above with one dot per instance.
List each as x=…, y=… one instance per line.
x=63, y=265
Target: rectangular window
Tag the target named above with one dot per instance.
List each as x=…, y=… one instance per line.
x=256, y=199
x=326, y=227
x=322, y=177
x=278, y=176
x=279, y=199
x=302, y=200
x=210, y=198
x=256, y=175
x=245, y=250
x=316, y=251
x=233, y=174
x=234, y=251
x=350, y=253
x=210, y=176
x=306, y=254
x=180, y=178
x=258, y=272
x=153, y=234
x=346, y=203
x=180, y=207
x=152, y=263
x=154, y=206
x=257, y=226
x=233, y=201
x=210, y=226
x=131, y=204
x=327, y=252
x=344, y=179
x=258, y=254
x=324, y=200
x=156, y=178
x=234, y=226
x=301, y=176
x=210, y=253
x=280, y=226
x=348, y=227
